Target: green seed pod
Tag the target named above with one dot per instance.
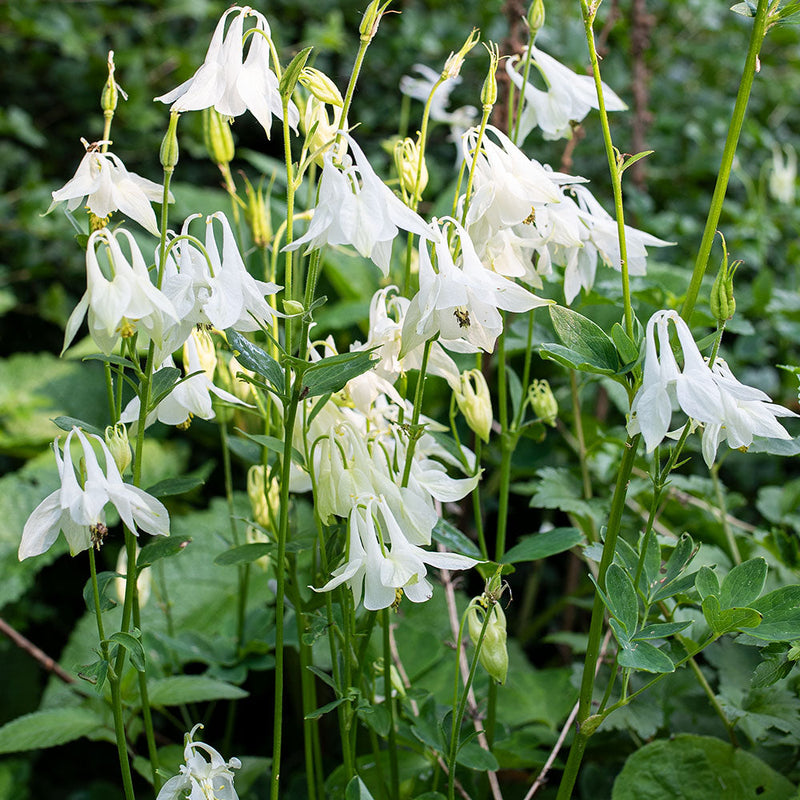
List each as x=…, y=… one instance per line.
x=169, y=146
x=494, y=653
x=217, y=136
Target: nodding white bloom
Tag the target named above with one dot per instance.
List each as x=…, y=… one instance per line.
x=218, y=290
x=382, y=564
x=420, y=88
x=569, y=96
x=102, y=180
x=123, y=304
x=192, y=396
x=355, y=207
x=231, y=83
x=76, y=508
x=201, y=777
x=783, y=174
x=711, y=396
x=459, y=302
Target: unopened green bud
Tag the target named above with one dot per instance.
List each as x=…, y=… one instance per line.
x=112, y=90
x=217, y=136
x=475, y=402
x=117, y=442
x=293, y=307
x=723, y=304
x=321, y=86
x=489, y=90
x=257, y=213
x=398, y=687
x=536, y=17
x=494, y=653
x=452, y=67
x=320, y=131
x=543, y=402
x=409, y=163
x=371, y=19
x=169, y=146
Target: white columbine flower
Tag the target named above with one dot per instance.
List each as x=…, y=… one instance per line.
x=713, y=397
x=355, y=207
x=76, y=508
x=122, y=304
x=459, y=302
x=102, y=180
x=569, y=96
x=201, y=778
x=231, y=83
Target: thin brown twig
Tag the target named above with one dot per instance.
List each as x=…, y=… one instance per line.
x=542, y=776
x=50, y=664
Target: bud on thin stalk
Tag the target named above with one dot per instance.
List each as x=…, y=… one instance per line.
x=372, y=19
x=536, y=17
x=455, y=61
x=722, y=302
x=217, y=137
x=489, y=90
x=543, y=402
x=321, y=86
x=116, y=437
x=475, y=402
x=169, y=146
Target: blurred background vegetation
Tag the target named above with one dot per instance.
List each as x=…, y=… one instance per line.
x=54, y=66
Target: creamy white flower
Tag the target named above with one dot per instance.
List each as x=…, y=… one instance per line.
x=382, y=561
x=126, y=302
x=728, y=410
x=355, y=207
x=102, y=180
x=201, y=778
x=459, y=302
x=231, y=83
x=77, y=508
x=569, y=96
x=783, y=174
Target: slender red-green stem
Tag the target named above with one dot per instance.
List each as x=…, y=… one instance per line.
x=728, y=153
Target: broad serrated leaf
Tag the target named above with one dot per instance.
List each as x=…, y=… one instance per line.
x=134, y=647
x=743, y=584
x=332, y=374
x=244, y=554
x=645, y=657
x=559, y=488
x=48, y=728
x=179, y=689
x=581, y=335
x=543, y=545
x=445, y=533
x=252, y=357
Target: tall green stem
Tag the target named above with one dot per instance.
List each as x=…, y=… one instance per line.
x=394, y=786
x=732, y=140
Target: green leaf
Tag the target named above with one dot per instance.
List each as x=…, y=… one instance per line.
x=357, y=790
x=743, y=584
x=274, y=444
x=473, y=756
x=624, y=604
x=173, y=486
x=244, y=554
x=322, y=710
x=161, y=547
x=66, y=424
x=729, y=619
x=252, y=357
x=631, y=160
x=292, y=73
x=745, y=9
x=572, y=359
x=706, y=582
x=584, y=337
x=679, y=559
x=558, y=488
x=332, y=374
x=543, y=545
x=105, y=586
x=445, y=533
x=644, y=656
x=179, y=689
x=781, y=615
x=162, y=384
x=768, y=673
x=698, y=767
x=48, y=728
x=660, y=630
x=681, y=585
x=134, y=647
x=95, y=674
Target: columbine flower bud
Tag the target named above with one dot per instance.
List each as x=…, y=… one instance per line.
x=319, y=130
x=489, y=90
x=722, y=302
x=454, y=62
x=169, y=146
x=321, y=86
x=261, y=501
x=293, y=307
x=398, y=687
x=371, y=19
x=407, y=161
x=257, y=213
x=206, y=353
x=117, y=441
x=112, y=90
x=217, y=136
x=475, y=402
x=536, y=17
x=494, y=653
x=543, y=402
x=143, y=582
